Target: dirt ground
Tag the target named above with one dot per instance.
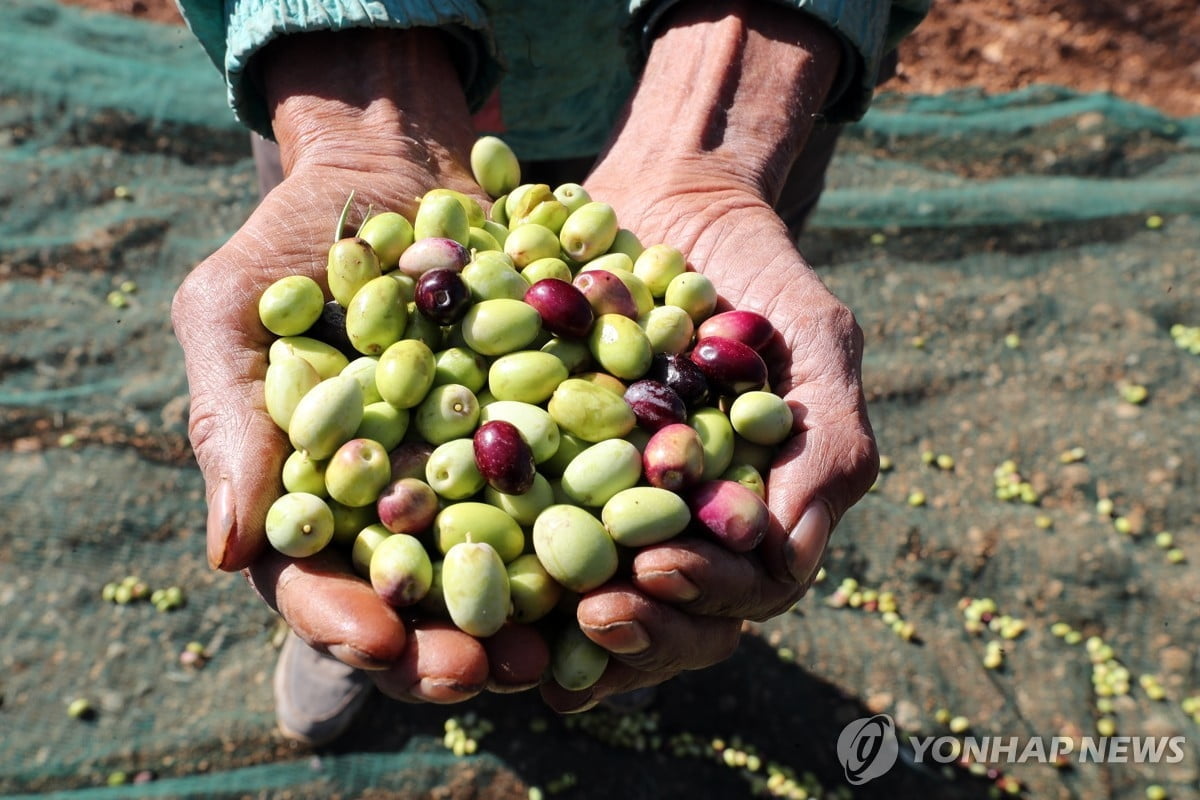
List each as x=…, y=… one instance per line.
x=985, y=343
x=1148, y=52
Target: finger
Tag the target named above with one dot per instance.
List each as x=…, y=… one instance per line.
x=517, y=658
x=653, y=636
x=817, y=476
x=704, y=578
x=441, y=664
x=617, y=679
x=330, y=608
x=239, y=449
x=831, y=461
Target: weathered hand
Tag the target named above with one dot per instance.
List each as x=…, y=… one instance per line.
x=338, y=133
x=241, y=451
x=685, y=603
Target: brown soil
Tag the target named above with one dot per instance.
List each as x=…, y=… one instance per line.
x=1148, y=52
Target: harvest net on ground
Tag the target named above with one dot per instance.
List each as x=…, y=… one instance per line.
x=1024, y=268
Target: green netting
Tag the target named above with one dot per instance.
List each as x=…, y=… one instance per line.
x=1014, y=261
x=1039, y=155
x=154, y=73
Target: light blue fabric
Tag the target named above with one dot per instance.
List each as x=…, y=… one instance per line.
x=234, y=30
x=868, y=30
x=562, y=69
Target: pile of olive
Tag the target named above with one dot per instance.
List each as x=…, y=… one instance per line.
x=491, y=410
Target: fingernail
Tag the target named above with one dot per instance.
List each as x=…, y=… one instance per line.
x=588, y=704
x=625, y=638
x=353, y=657
x=670, y=585
x=443, y=690
x=221, y=520
x=805, y=546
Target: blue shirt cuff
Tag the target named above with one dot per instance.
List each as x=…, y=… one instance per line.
x=251, y=24
x=867, y=29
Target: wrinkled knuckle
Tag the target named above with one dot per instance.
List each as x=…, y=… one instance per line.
x=183, y=301
x=203, y=425
x=193, y=295
x=845, y=326
x=864, y=460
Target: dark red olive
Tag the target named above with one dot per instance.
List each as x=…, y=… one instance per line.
x=730, y=366
x=503, y=457
x=606, y=293
x=409, y=459
x=735, y=515
x=655, y=404
x=407, y=505
x=564, y=309
x=748, y=327
x=442, y=296
x=673, y=458
x=682, y=375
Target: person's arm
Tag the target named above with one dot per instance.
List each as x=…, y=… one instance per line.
x=380, y=103
x=729, y=94
x=867, y=31
x=234, y=34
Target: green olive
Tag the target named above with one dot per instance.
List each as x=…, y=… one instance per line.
x=441, y=216
x=589, y=231
x=495, y=166
x=351, y=264
x=389, y=235
x=299, y=524
x=290, y=305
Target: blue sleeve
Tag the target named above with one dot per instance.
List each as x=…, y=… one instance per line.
x=868, y=29
x=232, y=31
x=557, y=74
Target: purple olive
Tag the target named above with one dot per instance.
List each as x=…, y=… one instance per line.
x=732, y=367
x=682, y=375
x=433, y=252
x=655, y=404
x=735, y=515
x=504, y=458
x=409, y=460
x=606, y=293
x=673, y=458
x=748, y=327
x=564, y=309
x=442, y=296
x=408, y=505
x=330, y=328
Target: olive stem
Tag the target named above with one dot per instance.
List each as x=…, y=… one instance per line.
x=341, y=223
x=367, y=216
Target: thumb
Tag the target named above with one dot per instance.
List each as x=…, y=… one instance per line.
x=819, y=475
x=821, y=472
x=239, y=448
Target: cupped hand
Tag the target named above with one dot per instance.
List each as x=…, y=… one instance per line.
x=684, y=604
x=379, y=113
x=240, y=450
